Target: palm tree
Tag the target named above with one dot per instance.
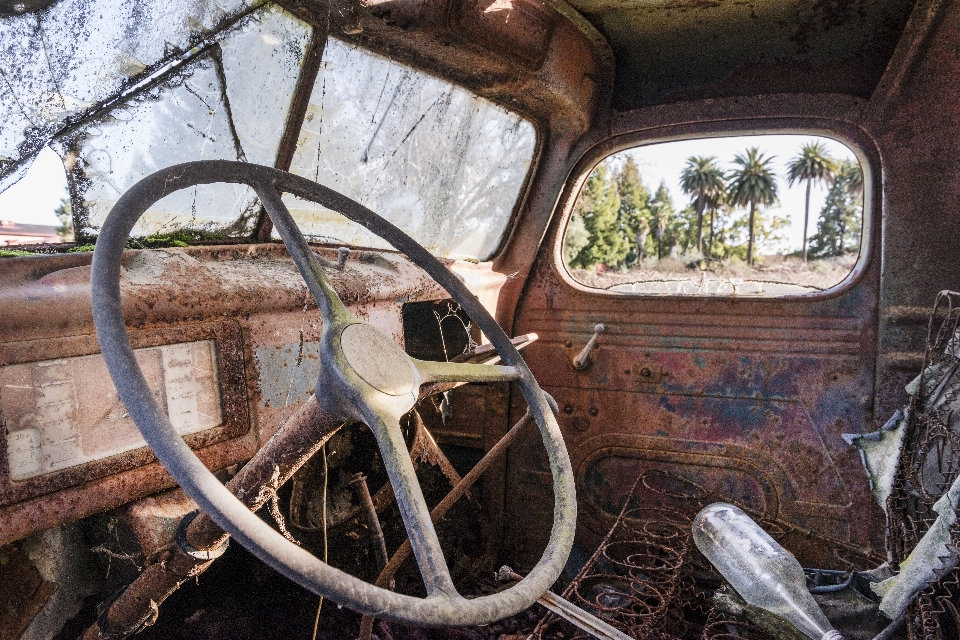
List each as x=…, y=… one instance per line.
x=714, y=202
x=701, y=179
x=752, y=184
x=851, y=173
x=813, y=164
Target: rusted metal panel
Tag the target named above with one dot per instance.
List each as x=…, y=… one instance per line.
x=744, y=397
x=46, y=315
x=520, y=29
x=23, y=518
x=23, y=592
x=764, y=46
x=46, y=296
x=915, y=119
x=725, y=407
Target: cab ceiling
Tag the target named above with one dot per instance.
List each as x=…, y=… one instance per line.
x=674, y=50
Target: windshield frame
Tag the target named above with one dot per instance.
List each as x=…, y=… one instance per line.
x=299, y=102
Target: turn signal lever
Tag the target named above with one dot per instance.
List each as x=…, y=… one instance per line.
x=581, y=361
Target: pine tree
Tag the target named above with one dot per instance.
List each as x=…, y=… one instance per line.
x=575, y=238
x=634, y=212
x=65, y=213
x=599, y=206
x=842, y=215
x=661, y=215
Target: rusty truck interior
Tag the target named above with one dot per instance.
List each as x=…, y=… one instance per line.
x=367, y=319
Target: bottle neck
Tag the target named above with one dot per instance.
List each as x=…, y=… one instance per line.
x=832, y=635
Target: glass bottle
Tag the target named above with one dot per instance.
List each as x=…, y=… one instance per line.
x=764, y=574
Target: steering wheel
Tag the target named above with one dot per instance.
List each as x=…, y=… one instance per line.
x=363, y=376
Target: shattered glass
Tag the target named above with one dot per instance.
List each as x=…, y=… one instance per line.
x=59, y=62
x=440, y=163
x=230, y=102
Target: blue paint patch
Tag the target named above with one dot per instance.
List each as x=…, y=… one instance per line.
x=282, y=381
x=665, y=403
x=700, y=362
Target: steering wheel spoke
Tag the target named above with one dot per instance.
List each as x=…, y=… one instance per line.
x=413, y=506
x=463, y=372
x=332, y=309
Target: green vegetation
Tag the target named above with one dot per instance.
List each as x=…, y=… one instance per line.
x=634, y=212
x=599, y=211
x=703, y=181
x=65, y=214
x=618, y=224
x=752, y=183
x=810, y=166
x=181, y=238
x=842, y=214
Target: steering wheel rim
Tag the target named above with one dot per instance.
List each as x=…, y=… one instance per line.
x=443, y=606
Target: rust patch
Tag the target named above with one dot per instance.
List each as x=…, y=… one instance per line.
x=23, y=592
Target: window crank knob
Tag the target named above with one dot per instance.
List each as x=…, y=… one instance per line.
x=580, y=361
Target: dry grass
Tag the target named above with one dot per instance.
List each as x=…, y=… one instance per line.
x=776, y=275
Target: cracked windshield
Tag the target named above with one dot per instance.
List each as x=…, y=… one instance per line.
x=442, y=164
x=768, y=215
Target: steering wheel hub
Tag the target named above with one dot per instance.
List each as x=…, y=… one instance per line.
x=378, y=360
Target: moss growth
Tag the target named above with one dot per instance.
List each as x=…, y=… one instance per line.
x=181, y=238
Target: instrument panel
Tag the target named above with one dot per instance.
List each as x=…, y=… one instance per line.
x=63, y=413
x=64, y=426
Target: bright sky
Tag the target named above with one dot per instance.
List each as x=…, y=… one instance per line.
x=34, y=198
x=665, y=162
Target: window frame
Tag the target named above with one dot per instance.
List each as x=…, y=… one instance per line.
x=305, y=83
x=299, y=103
x=840, y=130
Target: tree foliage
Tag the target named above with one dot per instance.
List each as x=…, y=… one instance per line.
x=842, y=215
x=634, y=213
x=812, y=165
x=752, y=184
x=599, y=208
x=703, y=181
x=617, y=222
x=64, y=213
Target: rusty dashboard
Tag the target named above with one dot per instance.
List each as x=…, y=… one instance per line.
x=226, y=334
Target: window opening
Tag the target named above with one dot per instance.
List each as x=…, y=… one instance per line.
x=73, y=57
x=36, y=209
x=230, y=103
x=719, y=217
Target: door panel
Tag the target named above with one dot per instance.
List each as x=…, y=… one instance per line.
x=737, y=400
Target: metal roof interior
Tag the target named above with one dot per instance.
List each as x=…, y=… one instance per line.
x=673, y=50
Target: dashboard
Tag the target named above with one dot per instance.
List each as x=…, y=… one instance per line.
x=226, y=337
